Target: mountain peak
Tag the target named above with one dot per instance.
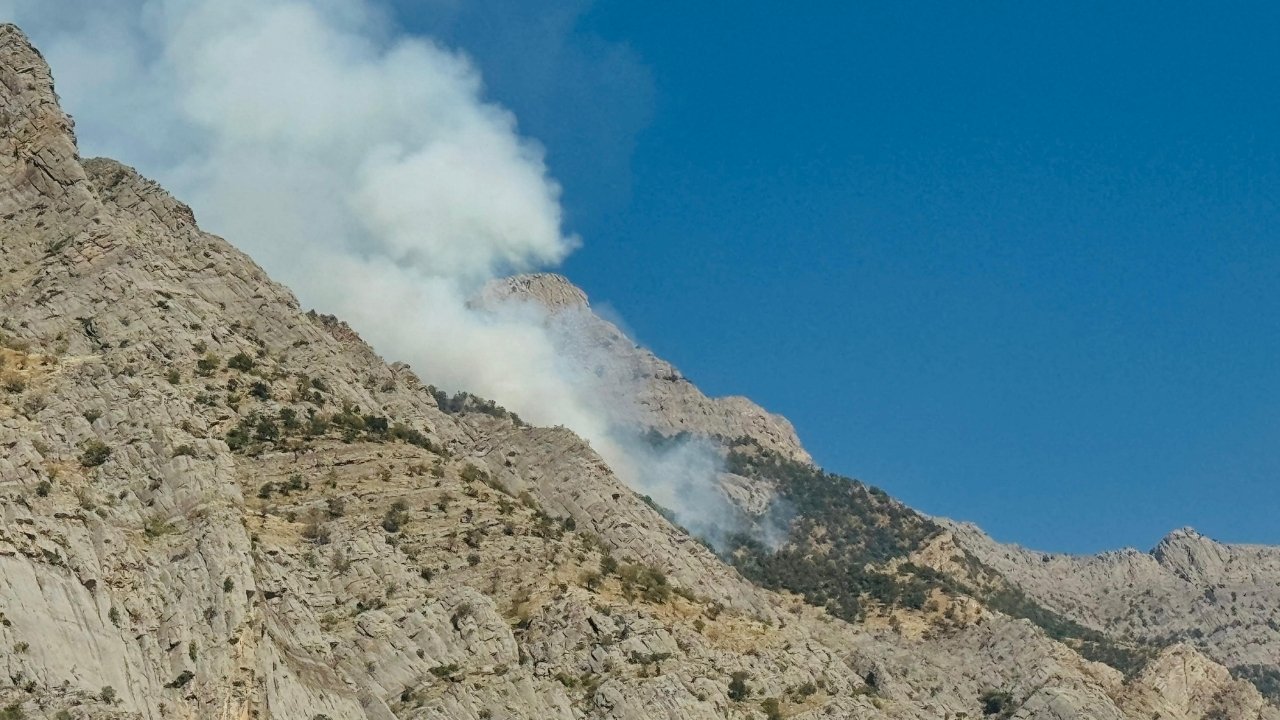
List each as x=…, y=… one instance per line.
x=1181, y=534
x=45, y=200
x=1191, y=555
x=553, y=291
x=32, y=119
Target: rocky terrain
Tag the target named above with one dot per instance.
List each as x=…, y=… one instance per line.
x=214, y=504
x=649, y=391
x=1222, y=599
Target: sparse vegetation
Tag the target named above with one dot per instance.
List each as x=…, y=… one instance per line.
x=241, y=362
x=207, y=365
x=446, y=672
x=1263, y=677
x=94, y=453
x=157, y=526
x=997, y=704
x=315, y=530
x=464, y=402
x=1128, y=658
x=182, y=680
x=859, y=526
x=647, y=581
x=395, y=516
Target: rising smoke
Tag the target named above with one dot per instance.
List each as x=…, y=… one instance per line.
x=364, y=168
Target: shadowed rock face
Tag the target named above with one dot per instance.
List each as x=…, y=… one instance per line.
x=216, y=505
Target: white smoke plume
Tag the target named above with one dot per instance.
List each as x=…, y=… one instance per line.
x=364, y=168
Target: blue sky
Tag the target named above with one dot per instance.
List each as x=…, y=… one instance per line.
x=1015, y=263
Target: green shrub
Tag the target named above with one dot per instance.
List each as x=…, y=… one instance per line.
x=445, y=671
x=395, y=517
x=608, y=564
x=335, y=506
x=95, y=453
x=266, y=430
x=241, y=362
x=738, y=688
x=157, y=526
x=1266, y=679
x=207, y=365
x=858, y=525
x=650, y=581
x=997, y=703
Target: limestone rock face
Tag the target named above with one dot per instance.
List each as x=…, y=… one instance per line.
x=549, y=290
x=216, y=505
x=1221, y=599
x=648, y=391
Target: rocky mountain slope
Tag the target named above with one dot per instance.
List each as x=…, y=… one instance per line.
x=1121, y=607
x=1222, y=599
x=650, y=391
x=216, y=505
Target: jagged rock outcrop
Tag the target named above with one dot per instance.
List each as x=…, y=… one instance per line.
x=647, y=392
x=216, y=505
x=1222, y=599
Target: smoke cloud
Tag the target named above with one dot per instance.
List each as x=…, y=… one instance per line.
x=365, y=169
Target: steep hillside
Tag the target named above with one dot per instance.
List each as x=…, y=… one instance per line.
x=647, y=391
x=852, y=550
x=1222, y=599
x=216, y=505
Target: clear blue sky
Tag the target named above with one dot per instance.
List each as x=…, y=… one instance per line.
x=1017, y=263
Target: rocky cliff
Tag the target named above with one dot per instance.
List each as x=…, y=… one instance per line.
x=216, y=505
x=649, y=392
x=1222, y=599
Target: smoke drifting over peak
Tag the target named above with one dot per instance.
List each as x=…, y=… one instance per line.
x=365, y=169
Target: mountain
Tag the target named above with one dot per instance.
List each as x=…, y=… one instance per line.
x=653, y=392
x=214, y=504
x=1223, y=599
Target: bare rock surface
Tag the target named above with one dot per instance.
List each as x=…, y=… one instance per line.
x=648, y=391
x=1222, y=599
